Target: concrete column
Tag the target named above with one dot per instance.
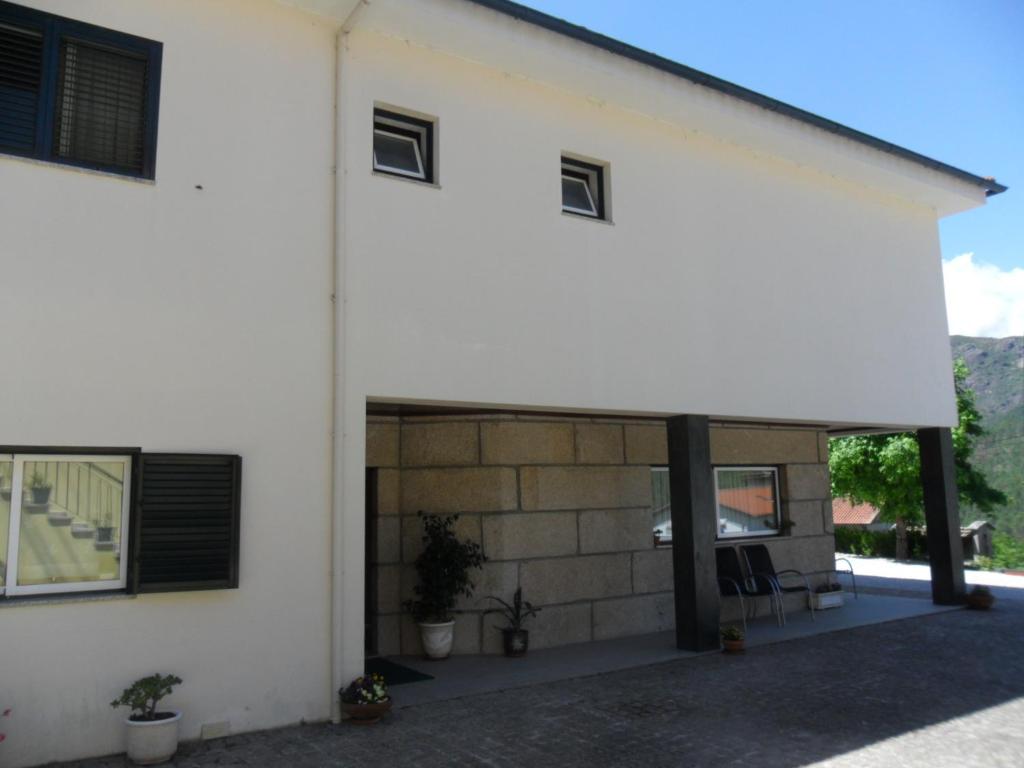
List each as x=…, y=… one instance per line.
x=693, y=533
x=942, y=516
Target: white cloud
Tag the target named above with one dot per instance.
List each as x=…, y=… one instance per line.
x=982, y=299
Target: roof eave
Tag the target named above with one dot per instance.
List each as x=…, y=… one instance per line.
x=610, y=44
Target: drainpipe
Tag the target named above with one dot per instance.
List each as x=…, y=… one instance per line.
x=336, y=489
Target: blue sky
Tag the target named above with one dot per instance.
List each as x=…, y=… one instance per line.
x=941, y=77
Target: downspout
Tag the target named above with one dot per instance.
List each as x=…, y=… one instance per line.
x=337, y=364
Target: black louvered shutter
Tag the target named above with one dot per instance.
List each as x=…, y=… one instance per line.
x=21, y=67
x=186, y=528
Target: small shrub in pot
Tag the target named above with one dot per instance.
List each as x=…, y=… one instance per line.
x=152, y=734
x=733, y=639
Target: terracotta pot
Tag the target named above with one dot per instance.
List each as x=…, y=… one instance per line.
x=516, y=642
x=733, y=646
x=980, y=601
x=365, y=714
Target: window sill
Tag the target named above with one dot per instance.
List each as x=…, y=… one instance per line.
x=79, y=169
x=61, y=598
x=720, y=542
x=594, y=219
x=406, y=179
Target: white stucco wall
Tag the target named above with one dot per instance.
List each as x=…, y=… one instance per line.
x=730, y=283
x=165, y=317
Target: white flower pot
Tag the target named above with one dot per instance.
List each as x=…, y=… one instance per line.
x=824, y=600
x=152, y=741
x=437, y=639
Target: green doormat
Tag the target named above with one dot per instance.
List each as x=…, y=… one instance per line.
x=394, y=674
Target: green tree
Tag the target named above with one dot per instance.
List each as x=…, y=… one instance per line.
x=885, y=470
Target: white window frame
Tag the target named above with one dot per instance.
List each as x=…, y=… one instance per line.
x=377, y=166
x=778, y=504
x=592, y=211
x=11, y=587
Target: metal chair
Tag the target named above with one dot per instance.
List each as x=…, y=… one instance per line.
x=733, y=583
x=759, y=564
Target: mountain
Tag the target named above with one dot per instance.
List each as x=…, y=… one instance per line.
x=997, y=378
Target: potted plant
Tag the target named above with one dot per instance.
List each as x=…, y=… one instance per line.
x=39, y=488
x=105, y=534
x=516, y=639
x=152, y=735
x=733, y=640
x=980, y=598
x=443, y=571
x=365, y=700
x=829, y=595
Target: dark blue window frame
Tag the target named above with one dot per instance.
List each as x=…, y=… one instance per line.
x=53, y=29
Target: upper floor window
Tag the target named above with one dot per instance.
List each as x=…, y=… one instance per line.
x=77, y=94
x=583, y=192
x=403, y=145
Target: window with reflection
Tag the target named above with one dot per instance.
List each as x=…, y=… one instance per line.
x=64, y=522
x=746, y=502
x=747, y=499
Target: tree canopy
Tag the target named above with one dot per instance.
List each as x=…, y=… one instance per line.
x=885, y=470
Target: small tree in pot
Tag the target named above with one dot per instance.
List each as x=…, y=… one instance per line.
x=516, y=639
x=152, y=735
x=443, y=570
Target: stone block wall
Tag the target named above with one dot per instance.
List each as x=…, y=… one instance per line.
x=562, y=508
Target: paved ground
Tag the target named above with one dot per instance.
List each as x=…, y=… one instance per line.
x=943, y=690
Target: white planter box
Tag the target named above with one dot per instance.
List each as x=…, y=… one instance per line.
x=823, y=600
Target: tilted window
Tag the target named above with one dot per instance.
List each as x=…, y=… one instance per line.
x=403, y=145
x=76, y=93
x=583, y=192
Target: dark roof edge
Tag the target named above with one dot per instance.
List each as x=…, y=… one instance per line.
x=562, y=27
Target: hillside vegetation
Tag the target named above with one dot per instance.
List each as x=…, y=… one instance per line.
x=997, y=378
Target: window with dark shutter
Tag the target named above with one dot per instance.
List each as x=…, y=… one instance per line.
x=101, y=106
x=21, y=70
x=77, y=94
x=187, y=520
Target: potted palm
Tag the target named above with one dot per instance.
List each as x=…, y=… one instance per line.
x=733, y=640
x=152, y=735
x=516, y=640
x=443, y=570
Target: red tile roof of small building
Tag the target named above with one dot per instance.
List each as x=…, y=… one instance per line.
x=845, y=512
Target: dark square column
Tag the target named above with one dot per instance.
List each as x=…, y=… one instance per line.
x=694, y=528
x=942, y=515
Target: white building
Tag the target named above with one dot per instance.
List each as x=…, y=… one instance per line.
x=202, y=254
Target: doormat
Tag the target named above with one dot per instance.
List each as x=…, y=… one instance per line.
x=394, y=674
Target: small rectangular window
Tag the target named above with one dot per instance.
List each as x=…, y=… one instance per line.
x=747, y=499
x=403, y=145
x=583, y=191
x=746, y=502
x=77, y=94
x=64, y=522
